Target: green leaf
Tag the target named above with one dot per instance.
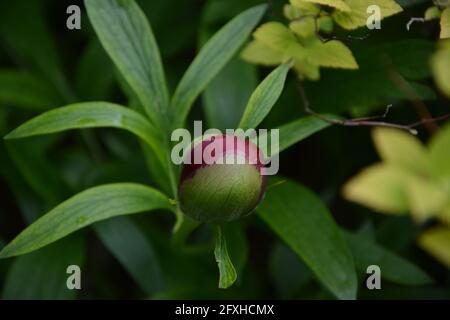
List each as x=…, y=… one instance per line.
x=94, y=204
x=238, y=246
x=211, y=59
x=89, y=115
x=295, y=131
x=43, y=274
x=436, y=241
x=358, y=15
x=401, y=149
x=440, y=154
x=264, y=97
x=445, y=24
x=440, y=63
x=304, y=28
x=381, y=187
x=331, y=54
x=227, y=95
x=304, y=223
x=300, y=129
x=275, y=35
x=338, y=4
x=227, y=272
x=432, y=13
x=128, y=39
x=393, y=267
x=39, y=171
x=426, y=198
x=27, y=91
x=257, y=52
x=133, y=250
x=289, y=273
x=371, y=86
x=94, y=66
x=30, y=42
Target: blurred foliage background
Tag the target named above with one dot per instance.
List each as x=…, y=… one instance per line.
x=44, y=65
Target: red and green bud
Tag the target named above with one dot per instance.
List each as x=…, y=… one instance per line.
x=221, y=179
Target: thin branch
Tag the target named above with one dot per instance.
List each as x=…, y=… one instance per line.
x=362, y=121
x=412, y=20
x=413, y=97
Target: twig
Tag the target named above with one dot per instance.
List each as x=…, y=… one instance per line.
x=363, y=121
x=410, y=22
x=413, y=97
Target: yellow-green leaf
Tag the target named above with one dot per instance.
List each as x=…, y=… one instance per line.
x=326, y=24
x=358, y=15
x=278, y=37
x=338, y=4
x=444, y=215
x=304, y=27
x=381, y=187
x=436, y=242
x=426, y=199
x=275, y=35
x=440, y=64
x=401, y=149
x=257, y=52
x=445, y=24
x=305, y=7
x=307, y=70
x=432, y=13
x=440, y=155
x=291, y=12
x=332, y=54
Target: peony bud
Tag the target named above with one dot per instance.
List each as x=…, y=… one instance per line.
x=223, y=181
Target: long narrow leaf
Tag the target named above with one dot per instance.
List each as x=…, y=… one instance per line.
x=133, y=250
x=43, y=273
x=211, y=59
x=393, y=267
x=83, y=209
x=264, y=97
x=305, y=224
x=89, y=115
x=27, y=91
x=127, y=37
x=294, y=132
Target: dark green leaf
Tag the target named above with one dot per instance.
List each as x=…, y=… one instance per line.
x=304, y=223
x=393, y=267
x=43, y=274
x=127, y=37
x=211, y=59
x=372, y=86
x=95, y=68
x=133, y=250
x=83, y=209
x=30, y=41
x=89, y=115
x=225, y=98
x=27, y=91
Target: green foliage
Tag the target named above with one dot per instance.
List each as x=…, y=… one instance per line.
x=263, y=98
x=302, y=221
x=317, y=41
x=132, y=47
x=226, y=269
x=395, y=268
x=357, y=15
x=411, y=178
x=47, y=277
x=211, y=59
x=101, y=202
